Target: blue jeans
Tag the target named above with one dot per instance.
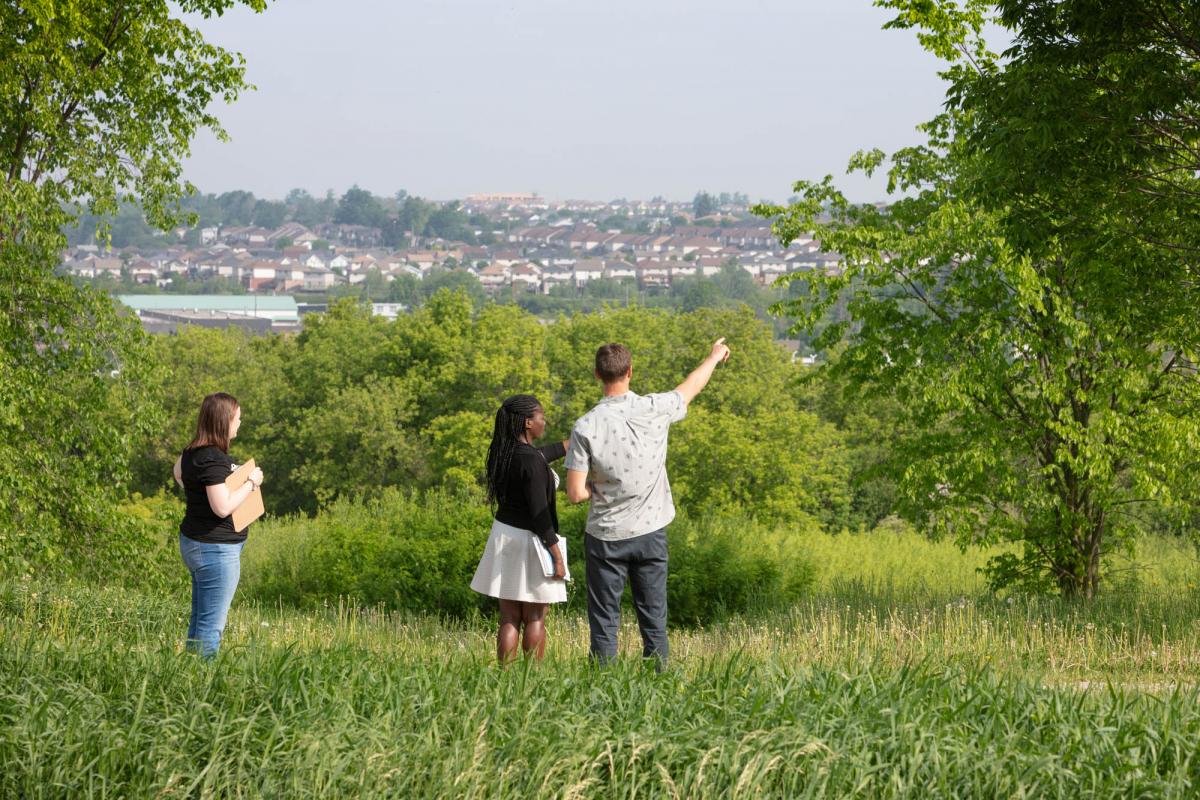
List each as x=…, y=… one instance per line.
x=215, y=571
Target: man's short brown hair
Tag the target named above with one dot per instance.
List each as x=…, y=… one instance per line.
x=612, y=362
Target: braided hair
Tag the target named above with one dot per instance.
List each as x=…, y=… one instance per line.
x=510, y=426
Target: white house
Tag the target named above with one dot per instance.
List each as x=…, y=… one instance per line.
x=227, y=267
x=683, y=269
x=619, y=269
x=751, y=265
x=555, y=275
x=527, y=274
x=423, y=260
x=362, y=263
x=587, y=269
x=494, y=276
x=266, y=268
x=318, y=279
x=654, y=273
x=772, y=267
x=142, y=271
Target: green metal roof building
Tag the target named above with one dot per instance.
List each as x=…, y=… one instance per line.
x=280, y=309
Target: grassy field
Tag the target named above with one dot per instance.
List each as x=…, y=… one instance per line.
x=899, y=677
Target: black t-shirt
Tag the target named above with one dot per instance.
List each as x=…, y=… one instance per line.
x=206, y=466
x=528, y=498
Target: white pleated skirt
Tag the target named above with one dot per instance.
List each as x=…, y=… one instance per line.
x=510, y=569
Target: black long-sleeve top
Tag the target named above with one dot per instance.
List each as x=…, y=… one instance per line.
x=528, y=497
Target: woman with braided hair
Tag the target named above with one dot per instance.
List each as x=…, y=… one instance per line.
x=521, y=486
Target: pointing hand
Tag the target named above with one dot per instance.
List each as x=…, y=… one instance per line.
x=720, y=350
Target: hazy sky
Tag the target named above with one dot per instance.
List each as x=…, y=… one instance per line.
x=568, y=98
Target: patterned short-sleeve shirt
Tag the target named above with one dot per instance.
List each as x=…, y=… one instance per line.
x=622, y=445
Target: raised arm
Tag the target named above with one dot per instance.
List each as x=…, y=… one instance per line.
x=553, y=452
x=698, y=378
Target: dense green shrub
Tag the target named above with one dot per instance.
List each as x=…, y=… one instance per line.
x=725, y=565
x=401, y=550
x=149, y=529
x=417, y=552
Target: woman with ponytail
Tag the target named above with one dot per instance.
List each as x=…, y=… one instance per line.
x=210, y=546
x=521, y=486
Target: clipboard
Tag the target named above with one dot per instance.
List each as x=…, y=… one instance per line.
x=252, y=507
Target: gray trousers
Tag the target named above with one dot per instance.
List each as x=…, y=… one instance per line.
x=643, y=560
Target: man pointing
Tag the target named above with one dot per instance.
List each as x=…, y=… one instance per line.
x=617, y=458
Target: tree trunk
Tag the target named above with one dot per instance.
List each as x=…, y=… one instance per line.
x=1079, y=571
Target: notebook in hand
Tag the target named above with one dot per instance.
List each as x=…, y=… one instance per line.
x=547, y=560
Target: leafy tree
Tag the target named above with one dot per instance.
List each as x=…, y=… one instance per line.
x=356, y=403
x=870, y=427
x=704, y=204
x=779, y=464
x=129, y=228
x=414, y=215
x=736, y=283
x=326, y=208
x=1039, y=352
x=405, y=289
x=269, y=213
x=393, y=234
x=372, y=421
x=454, y=280
x=303, y=208
x=237, y=207
x=459, y=444
x=360, y=207
x=374, y=285
x=697, y=293
x=450, y=222
x=609, y=288
x=204, y=208
x=468, y=361
x=97, y=103
x=206, y=360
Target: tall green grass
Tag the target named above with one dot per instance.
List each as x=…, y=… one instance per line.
x=878, y=696
x=290, y=557
x=894, y=674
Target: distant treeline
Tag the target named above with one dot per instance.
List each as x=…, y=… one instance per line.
x=399, y=217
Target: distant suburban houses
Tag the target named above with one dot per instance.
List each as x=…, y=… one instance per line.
x=536, y=246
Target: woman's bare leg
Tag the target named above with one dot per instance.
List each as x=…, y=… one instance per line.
x=534, y=617
x=508, y=637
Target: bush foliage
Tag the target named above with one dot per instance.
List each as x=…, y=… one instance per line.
x=413, y=551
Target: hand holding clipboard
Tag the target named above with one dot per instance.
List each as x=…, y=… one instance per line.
x=252, y=507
